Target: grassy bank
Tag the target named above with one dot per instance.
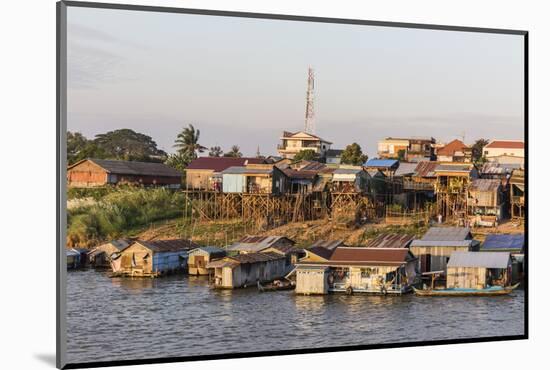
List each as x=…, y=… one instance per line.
x=116, y=212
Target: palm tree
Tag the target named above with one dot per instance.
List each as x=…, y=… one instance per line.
x=215, y=151
x=187, y=142
x=234, y=152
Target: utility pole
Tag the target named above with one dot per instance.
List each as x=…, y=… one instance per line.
x=309, y=125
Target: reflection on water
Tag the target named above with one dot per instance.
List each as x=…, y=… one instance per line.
x=115, y=318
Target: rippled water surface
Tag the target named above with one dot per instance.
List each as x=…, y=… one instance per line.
x=118, y=319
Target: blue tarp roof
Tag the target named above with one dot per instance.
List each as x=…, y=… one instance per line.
x=375, y=162
x=503, y=242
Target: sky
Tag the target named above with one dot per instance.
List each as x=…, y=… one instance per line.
x=243, y=81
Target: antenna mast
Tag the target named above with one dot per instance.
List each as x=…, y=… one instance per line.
x=309, y=125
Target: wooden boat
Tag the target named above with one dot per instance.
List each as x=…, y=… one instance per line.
x=459, y=292
x=276, y=285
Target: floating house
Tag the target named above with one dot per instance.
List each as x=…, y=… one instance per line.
x=101, y=172
x=73, y=258
x=152, y=258
x=255, y=243
x=486, y=201
x=204, y=173
x=353, y=270
x=510, y=243
x=290, y=252
x=255, y=179
x=479, y=270
x=100, y=256
x=352, y=179
x=199, y=257
x=436, y=246
x=247, y=269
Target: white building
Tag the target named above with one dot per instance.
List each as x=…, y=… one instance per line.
x=505, y=151
x=294, y=142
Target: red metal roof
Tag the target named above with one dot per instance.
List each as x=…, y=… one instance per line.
x=425, y=169
x=508, y=144
x=218, y=164
x=370, y=255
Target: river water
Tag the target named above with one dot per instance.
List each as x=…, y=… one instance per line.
x=120, y=319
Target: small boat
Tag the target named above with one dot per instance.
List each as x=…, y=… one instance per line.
x=461, y=292
x=276, y=285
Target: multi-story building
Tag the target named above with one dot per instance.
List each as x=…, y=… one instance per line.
x=409, y=149
x=505, y=151
x=294, y=142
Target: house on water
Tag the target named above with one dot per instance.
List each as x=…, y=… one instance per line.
x=74, y=258
x=511, y=243
x=256, y=243
x=100, y=256
x=479, y=270
x=365, y=270
x=436, y=246
x=101, y=172
x=205, y=173
x=152, y=258
x=199, y=257
x=245, y=270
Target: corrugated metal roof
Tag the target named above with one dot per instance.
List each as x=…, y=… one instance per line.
x=168, y=245
x=405, y=168
x=328, y=244
x=133, y=167
x=255, y=243
x=390, y=241
x=285, y=249
x=495, y=168
x=441, y=243
x=514, y=242
x=221, y=264
x=484, y=185
x=347, y=171
x=425, y=169
x=453, y=168
x=235, y=170
x=447, y=234
x=369, y=255
x=208, y=249
x=218, y=164
x=382, y=163
x=479, y=259
x=257, y=257
x=321, y=252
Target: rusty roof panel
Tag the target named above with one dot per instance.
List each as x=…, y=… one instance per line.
x=484, y=185
x=391, y=241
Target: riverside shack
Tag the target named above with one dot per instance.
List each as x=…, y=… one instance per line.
x=199, y=257
x=435, y=247
x=152, y=258
x=244, y=270
x=100, y=256
x=479, y=270
x=361, y=270
x=511, y=243
x=256, y=243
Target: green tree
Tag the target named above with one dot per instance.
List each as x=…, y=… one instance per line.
x=179, y=161
x=215, y=151
x=306, y=155
x=477, y=149
x=234, y=152
x=353, y=155
x=187, y=142
x=128, y=145
x=401, y=154
x=76, y=142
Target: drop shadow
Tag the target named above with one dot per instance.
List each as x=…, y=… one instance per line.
x=47, y=358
